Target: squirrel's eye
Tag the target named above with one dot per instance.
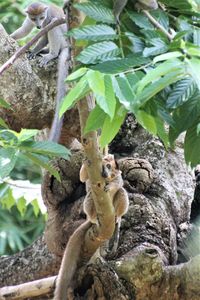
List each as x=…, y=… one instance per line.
x=108, y=166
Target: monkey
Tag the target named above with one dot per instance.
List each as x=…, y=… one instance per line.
x=39, y=15
x=72, y=254
x=113, y=185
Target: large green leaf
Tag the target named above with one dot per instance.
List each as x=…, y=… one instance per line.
x=110, y=95
x=185, y=116
x=111, y=128
x=4, y=104
x=121, y=65
x=26, y=134
x=193, y=67
x=181, y=92
x=78, y=92
x=167, y=67
x=156, y=87
x=98, y=52
x=95, y=120
x=3, y=123
x=77, y=74
x=97, y=83
x=94, y=33
x=96, y=11
x=159, y=46
x=123, y=90
x=46, y=148
x=183, y=6
x=192, y=146
x=140, y=20
x=149, y=117
x=8, y=158
x=161, y=17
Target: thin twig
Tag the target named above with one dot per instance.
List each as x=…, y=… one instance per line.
x=23, y=49
x=157, y=24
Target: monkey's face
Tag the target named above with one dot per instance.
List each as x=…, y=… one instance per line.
x=38, y=19
x=109, y=167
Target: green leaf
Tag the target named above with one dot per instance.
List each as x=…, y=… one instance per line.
x=181, y=92
x=192, y=146
x=94, y=33
x=96, y=11
x=8, y=160
x=36, y=208
x=21, y=205
x=193, y=67
x=161, y=17
x=97, y=52
x=156, y=87
x=121, y=65
x=167, y=67
x=96, y=82
x=110, y=96
x=102, y=88
x=149, y=117
x=8, y=200
x=159, y=46
x=78, y=92
x=166, y=56
x=26, y=134
x=111, y=128
x=185, y=116
x=123, y=90
x=3, y=123
x=140, y=20
x=95, y=120
x=147, y=121
x=4, y=104
x=46, y=148
x=182, y=6
x=44, y=163
x=8, y=136
x=77, y=74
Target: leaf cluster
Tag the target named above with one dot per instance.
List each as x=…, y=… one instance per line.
x=131, y=65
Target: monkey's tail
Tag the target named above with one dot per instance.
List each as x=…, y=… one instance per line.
x=70, y=261
x=63, y=69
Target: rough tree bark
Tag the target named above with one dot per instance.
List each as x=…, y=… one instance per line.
x=160, y=188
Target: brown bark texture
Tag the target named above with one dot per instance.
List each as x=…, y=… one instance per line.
x=160, y=188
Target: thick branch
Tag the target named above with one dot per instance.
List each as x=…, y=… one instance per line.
x=156, y=281
x=103, y=204
x=29, y=289
x=32, y=263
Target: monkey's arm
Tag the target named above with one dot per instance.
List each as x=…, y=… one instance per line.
x=39, y=46
x=24, y=30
